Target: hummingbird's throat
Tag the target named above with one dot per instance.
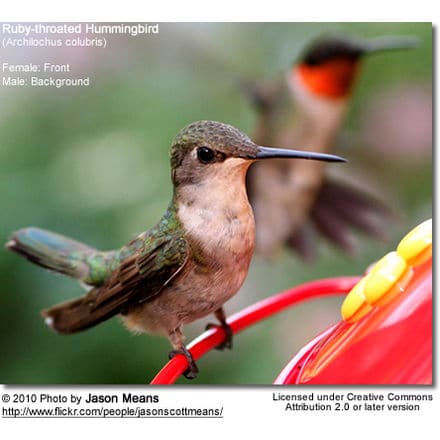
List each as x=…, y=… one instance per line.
x=331, y=80
x=216, y=211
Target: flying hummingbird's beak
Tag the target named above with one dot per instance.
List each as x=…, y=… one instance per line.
x=380, y=44
x=270, y=153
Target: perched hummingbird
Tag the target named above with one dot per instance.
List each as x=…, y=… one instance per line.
x=306, y=107
x=183, y=268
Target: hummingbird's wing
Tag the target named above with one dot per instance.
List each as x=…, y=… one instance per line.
x=340, y=208
x=139, y=277
x=264, y=96
x=143, y=275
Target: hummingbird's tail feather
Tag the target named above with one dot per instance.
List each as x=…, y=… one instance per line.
x=51, y=250
x=77, y=315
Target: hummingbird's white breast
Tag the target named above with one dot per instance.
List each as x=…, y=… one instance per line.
x=216, y=212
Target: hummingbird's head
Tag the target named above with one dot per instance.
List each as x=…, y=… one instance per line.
x=207, y=150
x=328, y=68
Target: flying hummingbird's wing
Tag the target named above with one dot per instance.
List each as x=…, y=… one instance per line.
x=340, y=208
x=261, y=95
x=266, y=99
x=139, y=277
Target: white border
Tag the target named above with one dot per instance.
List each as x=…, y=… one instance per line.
x=249, y=411
x=220, y=10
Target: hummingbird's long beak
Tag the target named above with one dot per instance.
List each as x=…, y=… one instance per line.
x=269, y=153
x=380, y=44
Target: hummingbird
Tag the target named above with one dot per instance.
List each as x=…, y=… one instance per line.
x=306, y=106
x=184, y=267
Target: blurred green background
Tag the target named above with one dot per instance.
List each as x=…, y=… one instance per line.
x=92, y=163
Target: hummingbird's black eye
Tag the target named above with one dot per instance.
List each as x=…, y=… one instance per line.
x=205, y=154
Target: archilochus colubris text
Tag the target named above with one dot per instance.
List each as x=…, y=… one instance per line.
x=183, y=268
x=306, y=107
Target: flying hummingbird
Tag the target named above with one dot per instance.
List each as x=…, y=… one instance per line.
x=306, y=106
x=183, y=268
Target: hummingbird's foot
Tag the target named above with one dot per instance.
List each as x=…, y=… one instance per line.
x=227, y=342
x=192, y=371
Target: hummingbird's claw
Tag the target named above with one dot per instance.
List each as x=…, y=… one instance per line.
x=192, y=371
x=227, y=342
